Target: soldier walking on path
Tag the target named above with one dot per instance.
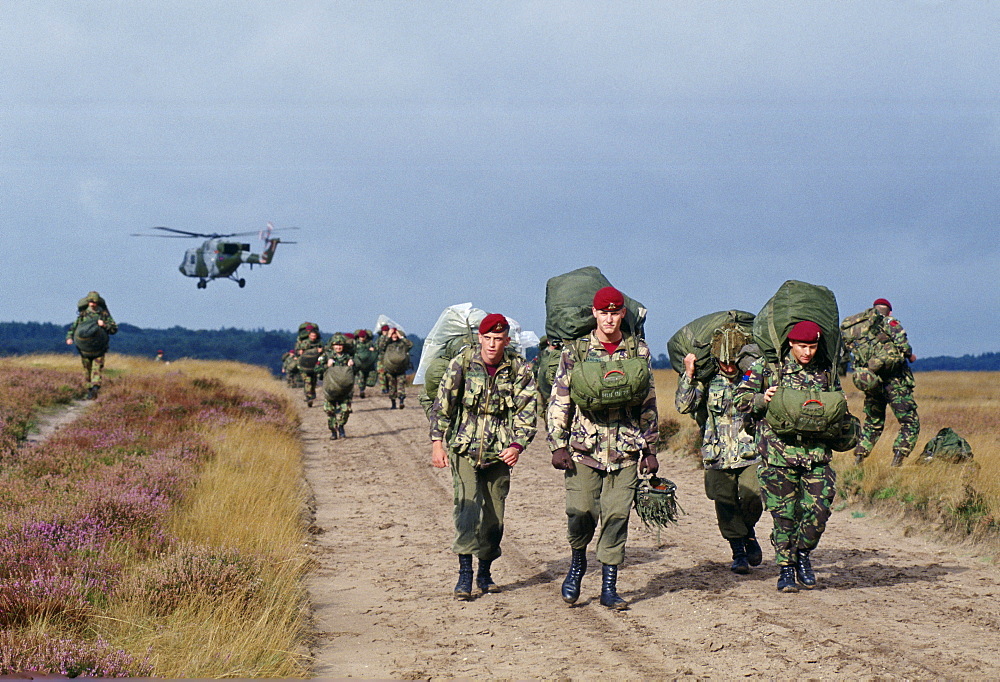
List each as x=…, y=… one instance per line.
x=599, y=449
x=728, y=447
x=310, y=352
x=483, y=418
x=366, y=358
x=882, y=356
x=395, y=360
x=338, y=410
x=796, y=479
x=90, y=331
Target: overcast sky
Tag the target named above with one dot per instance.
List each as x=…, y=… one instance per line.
x=432, y=153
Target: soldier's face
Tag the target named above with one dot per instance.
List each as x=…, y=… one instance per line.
x=492, y=346
x=609, y=321
x=313, y=336
x=803, y=352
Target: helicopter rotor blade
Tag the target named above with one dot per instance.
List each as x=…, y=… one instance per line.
x=183, y=232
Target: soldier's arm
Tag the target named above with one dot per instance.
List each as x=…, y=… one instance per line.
x=749, y=394
x=525, y=414
x=109, y=323
x=560, y=407
x=898, y=336
x=690, y=394
x=447, y=400
x=649, y=422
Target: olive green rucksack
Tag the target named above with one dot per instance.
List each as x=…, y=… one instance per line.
x=91, y=339
x=436, y=367
x=947, y=446
x=396, y=359
x=608, y=384
x=338, y=382
x=696, y=337
x=810, y=414
x=309, y=359
x=795, y=302
x=869, y=343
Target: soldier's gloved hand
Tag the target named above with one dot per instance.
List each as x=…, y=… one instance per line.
x=562, y=460
x=648, y=464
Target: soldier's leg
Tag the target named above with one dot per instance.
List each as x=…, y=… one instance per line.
x=817, y=499
x=617, y=496
x=467, y=513
x=779, y=490
x=97, y=371
x=583, y=505
x=905, y=408
x=721, y=486
x=748, y=487
x=87, y=363
x=874, y=422
x=494, y=486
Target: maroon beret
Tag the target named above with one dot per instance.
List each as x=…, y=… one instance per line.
x=385, y=327
x=609, y=299
x=805, y=332
x=494, y=323
x=882, y=301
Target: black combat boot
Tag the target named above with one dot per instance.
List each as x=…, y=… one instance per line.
x=740, y=563
x=754, y=555
x=804, y=570
x=402, y=399
x=340, y=432
x=609, y=589
x=463, y=589
x=361, y=393
x=393, y=406
x=786, y=580
x=484, y=580
x=333, y=434
x=897, y=459
x=577, y=567
x=91, y=392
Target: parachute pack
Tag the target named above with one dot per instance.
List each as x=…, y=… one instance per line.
x=338, y=382
x=866, y=337
x=91, y=339
x=947, y=446
x=796, y=302
x=609, y=384
x=696, y=337
x=305, y=328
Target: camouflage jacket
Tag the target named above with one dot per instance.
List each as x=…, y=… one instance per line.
x=86, y=314
x=480, y=416
x=607, y=439
x=337, y=358
x=784, y=451
x=728, y=441
x=884, y=342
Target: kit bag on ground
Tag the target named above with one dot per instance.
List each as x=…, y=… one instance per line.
x=91, y=339
x=396, y=359
x=696, y=337
x=947, y=446
x=309, y=358
x=338, y=382
x=608, y=384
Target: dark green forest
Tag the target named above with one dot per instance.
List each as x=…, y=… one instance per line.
x=265, y=347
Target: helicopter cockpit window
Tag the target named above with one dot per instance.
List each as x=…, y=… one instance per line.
x=191, y=259
x=230, y=249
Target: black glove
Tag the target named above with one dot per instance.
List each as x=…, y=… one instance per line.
x=562, y=460
x=648, y=464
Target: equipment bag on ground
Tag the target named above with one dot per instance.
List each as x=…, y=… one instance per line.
x=947, y=446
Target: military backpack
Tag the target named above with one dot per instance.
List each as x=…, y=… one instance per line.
x=396, y=359
x=806, y=413
x=947, y=446
x=91, y=339
x=608, y=384
x=338, y=382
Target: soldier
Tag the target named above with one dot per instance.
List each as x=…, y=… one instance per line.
x=888, y=359
x=728, y=449
x=383, y=338
x=599, y=451
x=486, y=409
x=92, y=310
x=796, y=479
x=338, y=411
x=366, y=355
x=394, y=378
x=311, y=344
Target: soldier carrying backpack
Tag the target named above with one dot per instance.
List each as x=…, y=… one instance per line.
x=90, y=331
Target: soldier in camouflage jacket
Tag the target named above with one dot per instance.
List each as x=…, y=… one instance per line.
x=895, y=390
x=797, y=481
x=92, y=306
x=599, y=451
x=483, y=418
x=728, y=447
x=310, y=376
x=337, y=412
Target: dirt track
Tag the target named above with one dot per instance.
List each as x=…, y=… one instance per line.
x=890, y=604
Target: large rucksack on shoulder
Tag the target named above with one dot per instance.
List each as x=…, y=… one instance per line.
x=796, y=302
x=869, y=342
x=91, y=339
x=305, y=328
x=609, y=384
x=696, y=337
x=569, y=301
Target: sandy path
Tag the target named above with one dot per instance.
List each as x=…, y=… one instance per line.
x=890, y=603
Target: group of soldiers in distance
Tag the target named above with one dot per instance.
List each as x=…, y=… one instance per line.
x=381, y=359
x=487, y=404
x=485, y=411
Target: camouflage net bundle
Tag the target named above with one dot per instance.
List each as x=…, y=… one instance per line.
x=656, y=502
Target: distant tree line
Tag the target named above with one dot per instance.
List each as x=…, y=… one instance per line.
x=987, y=362
x=255, y=347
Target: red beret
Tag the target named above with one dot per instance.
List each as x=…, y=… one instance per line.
x=609, y=299
x=494, y=323
x=385, y=327
x=349, y=335
x=805, y=332
x=882, y=301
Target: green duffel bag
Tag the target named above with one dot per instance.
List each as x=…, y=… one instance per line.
x=610, y=384
x=569, y=300
x=810, y=414
x=947, y=446
x=433, y=375
x=696, y=337
x=794, y=302
x=396, y=359
x=364, y=358
x=309, y=358
x=338, y=382
x=91, y=339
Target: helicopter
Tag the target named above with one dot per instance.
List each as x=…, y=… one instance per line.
x=220, y=256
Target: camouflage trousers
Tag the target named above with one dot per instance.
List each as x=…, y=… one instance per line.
x=394, y=385
x=364, y=379
x=480, y=498
x=604, y=496
x=337, y=413
x=309, y=379
x=799, y=500
x=93, y=370
x=736, y=493
x=900, y=399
